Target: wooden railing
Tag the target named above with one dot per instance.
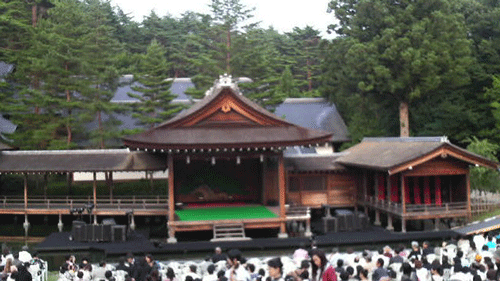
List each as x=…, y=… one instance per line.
x=67, y=202
x=414, y=209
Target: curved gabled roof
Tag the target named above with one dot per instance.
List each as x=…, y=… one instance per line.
x=397, y=154
x=225, y=119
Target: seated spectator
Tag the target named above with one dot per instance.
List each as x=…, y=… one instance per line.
x=380, y=271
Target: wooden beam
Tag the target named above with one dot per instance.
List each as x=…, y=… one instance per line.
x=403, y=193
x=25, y=191
x=171, y=201
x=282, y=190
x=95, y=189
x=467, y=183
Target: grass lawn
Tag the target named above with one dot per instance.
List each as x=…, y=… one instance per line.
x=225, y=213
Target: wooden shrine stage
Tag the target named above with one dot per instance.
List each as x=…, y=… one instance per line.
x=204, y=216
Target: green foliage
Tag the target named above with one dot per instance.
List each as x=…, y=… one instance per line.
x=401, y=51
x=155, y=104
x=481, y=177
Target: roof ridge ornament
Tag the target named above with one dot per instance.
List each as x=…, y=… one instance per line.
x=226, y=80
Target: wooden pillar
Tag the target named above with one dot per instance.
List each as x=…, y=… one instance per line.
x=389, y=222
x=388, y=187
x=365, y=191
x=436, y=224
x=403, y=193
x=60, y=224
x=282, y=190
x=95, y=189
x=171, y=201
x=377, y=218
x=403, y=225
x=111, y=187
x=467, y=184
x=25, y=191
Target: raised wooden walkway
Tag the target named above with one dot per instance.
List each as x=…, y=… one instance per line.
x=65, y=205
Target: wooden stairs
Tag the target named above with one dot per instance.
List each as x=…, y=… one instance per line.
x=229, y=232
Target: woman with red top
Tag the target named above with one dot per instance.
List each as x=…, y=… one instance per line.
x=322, y=270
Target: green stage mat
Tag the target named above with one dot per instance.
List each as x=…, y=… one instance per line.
x=225, y=213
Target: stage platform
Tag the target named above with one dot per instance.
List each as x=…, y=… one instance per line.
x=139, y=244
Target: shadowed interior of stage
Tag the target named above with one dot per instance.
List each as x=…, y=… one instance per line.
x=219, y=183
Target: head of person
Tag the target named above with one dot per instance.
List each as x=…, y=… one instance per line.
x=218, y=250
x=234, y=257
x=380, y=262
x=275, y=268
x=406, y=268
x=414, y=245
x=318, y=261
x=363, y=273
x=170, y=273
x=211, y=269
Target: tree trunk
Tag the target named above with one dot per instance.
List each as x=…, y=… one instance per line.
x=99, y=121
x=404, y=125
x=34, y=16
x=68, y=125
x=228, y=52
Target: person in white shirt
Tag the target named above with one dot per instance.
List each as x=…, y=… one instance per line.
x=211, y=276
x=236, y=271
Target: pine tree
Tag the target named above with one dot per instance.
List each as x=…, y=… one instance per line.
x=100, y=57
x=155, y=104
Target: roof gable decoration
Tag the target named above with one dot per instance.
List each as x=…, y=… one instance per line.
x=396, y=155
x=224, y=102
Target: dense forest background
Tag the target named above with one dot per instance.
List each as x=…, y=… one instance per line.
x=406, y=67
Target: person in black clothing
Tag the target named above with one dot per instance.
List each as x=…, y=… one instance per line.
x=121, y=265
x=22, y=274
x=427, y=249
x=380, y=271
x=218, y=255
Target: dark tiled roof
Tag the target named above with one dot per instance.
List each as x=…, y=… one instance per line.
x=313, y=163
x=314, y=113
x=479, y=226
x=6, y=126
x=387, y=153
x=223, y=136
x=5, y=68
x=178, y=88
x=79, y=161
x=283, y=133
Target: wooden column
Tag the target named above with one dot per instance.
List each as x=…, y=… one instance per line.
x=95, y=189
x=25, y=191
x=388, y=186
x=111, y=187
x=403, y=202
x=171, y=201
x=467, y=184
x=389, y=222
x=365, y=190
x=403, y=193
x=282, y=190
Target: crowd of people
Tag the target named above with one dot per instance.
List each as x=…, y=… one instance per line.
x=471, y=258
x=463, y=259
x=20, y=266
